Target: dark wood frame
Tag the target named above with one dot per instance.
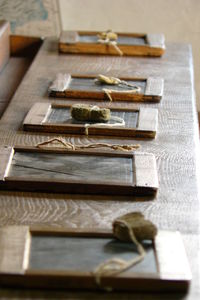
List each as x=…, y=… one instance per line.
x=173, y=271
x=153, y=91
x=146, y=181
x=146, y=125
x=69, y=43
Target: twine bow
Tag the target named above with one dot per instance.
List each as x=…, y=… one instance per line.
x=102, y=79
x=109, y=38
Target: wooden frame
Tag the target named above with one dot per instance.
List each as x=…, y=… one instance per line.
x=172, y=271
x=36, y=120
x=138, y=177
x=150, y=45
x=153, y=90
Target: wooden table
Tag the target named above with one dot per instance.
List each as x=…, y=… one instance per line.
x=176, y=146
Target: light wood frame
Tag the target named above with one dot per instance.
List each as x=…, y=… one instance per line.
x=173, y=272
x=153, y=90
x=145, y=180
x=146, y=125
x=154, y=46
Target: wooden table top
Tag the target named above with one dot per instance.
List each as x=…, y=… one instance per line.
x=176, y=146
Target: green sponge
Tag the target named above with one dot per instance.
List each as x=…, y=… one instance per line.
x=90, y=113
x=142, y=229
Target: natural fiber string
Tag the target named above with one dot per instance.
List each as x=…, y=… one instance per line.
x=114, y=266
x=70, y=146
x=120, y=123
x=111, y=43
x=104, y=38
x=109, y=91
x=102, y=79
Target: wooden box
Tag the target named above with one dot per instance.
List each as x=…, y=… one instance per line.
x=63, y=171
x=59, y=258
x=16, y=55
x=84, y=87
x=86, y=42
x=56, y=118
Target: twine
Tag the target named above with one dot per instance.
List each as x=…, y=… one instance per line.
x=105, y=38
x=109, y=91
x=70, y=146
x=120, y=123
x=115, y=266
x=102, y=79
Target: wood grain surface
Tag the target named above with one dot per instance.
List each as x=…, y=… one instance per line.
x=176, y=146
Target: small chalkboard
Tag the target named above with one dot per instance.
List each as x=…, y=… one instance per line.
x=57, y=118
x=85, y=87
x=87, y=42
x=61, y=258
x=91, y=172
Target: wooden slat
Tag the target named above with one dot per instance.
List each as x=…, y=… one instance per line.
x=154, y=87
x=171, y=256
x=156, y=40
x=14, y=249
x=146, y=171
x=61, y=83
x=148, y=120
x=36, y=114
x=4, y=43
x=5, y=158
x=69, y=37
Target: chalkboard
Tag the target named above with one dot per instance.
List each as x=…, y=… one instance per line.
x=57, y=118
x=85, y=87
x=67, y=258
x=129, y=44
x=91, y=172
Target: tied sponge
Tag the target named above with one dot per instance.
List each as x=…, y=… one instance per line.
x=90, y=113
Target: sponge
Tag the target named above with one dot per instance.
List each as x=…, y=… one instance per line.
x=90, y=113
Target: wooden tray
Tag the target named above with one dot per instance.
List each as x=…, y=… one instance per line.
x=129, y=43
x=56, y=118
x=90, y=172
x=84, y=87
x=50, y=258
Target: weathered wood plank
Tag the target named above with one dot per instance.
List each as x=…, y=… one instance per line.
x=69, y=37
x=14, y=249
x=156, y=40
x=154, y=87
